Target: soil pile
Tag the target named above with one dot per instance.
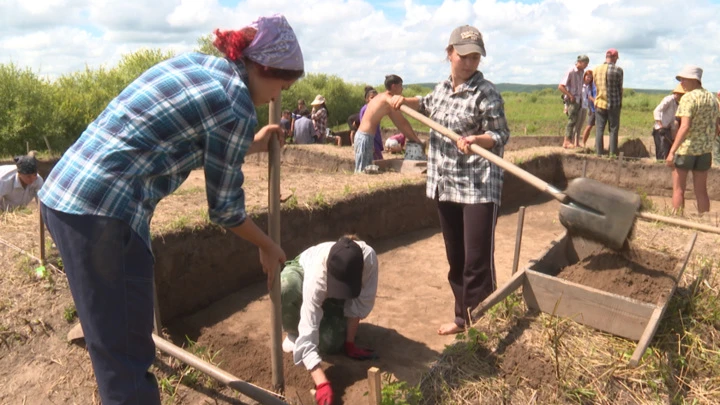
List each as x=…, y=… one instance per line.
x=639, y=274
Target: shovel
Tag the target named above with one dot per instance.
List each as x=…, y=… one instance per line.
x=589, y=208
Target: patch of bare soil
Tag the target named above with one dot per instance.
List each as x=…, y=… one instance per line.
x=525, y=366
x=643, y=275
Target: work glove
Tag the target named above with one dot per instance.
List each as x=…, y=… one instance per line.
x=357, y=353
x=324, y=394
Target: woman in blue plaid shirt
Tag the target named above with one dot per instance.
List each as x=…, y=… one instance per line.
x=467, y=187
x=191, y=111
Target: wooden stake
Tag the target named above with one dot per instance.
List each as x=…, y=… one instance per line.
x=518, y=239
x=42, y=236
x=374, y=386
x=278, y=380
x=619, y=167
x=47, y=143
x=584, y=172
x=157, y=326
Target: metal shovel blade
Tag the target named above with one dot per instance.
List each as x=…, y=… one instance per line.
x=599, y=211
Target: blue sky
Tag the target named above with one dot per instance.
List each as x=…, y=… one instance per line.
x=362, y=40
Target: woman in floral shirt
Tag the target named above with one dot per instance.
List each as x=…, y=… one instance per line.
x=692, y=148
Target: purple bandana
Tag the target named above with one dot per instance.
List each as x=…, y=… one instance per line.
x=275, y=44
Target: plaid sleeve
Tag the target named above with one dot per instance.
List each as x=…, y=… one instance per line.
x=494, y=122
x=226, y=146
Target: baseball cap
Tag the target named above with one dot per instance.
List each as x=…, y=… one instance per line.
x=466, y=40
x=345, y=269
x=26, y=164
x=583, y=58
x=612, y=52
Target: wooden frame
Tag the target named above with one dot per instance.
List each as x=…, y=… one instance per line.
x=612, y=313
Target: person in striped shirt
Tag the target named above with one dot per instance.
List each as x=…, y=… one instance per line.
x=191, y=111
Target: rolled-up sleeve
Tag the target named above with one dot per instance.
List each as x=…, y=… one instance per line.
x=361, y=306
x=225, y=149
x=494, y=122
x=311, y=313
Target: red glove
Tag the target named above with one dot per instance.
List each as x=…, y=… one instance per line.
x=357, y=353
x=324, y=394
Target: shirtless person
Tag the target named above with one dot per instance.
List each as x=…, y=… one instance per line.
x=377, y=108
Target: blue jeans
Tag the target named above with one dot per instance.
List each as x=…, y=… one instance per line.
x=110, y=272
x=610, y=117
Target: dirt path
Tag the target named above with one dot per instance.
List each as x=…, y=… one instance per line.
x=413, y=300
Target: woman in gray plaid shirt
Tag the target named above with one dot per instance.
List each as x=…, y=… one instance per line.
x=466, y=186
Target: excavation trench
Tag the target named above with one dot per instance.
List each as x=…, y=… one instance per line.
x=211, y=288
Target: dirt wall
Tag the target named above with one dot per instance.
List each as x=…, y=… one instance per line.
x=650, y=178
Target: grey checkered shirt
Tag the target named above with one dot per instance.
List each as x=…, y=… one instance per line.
x=475, y=108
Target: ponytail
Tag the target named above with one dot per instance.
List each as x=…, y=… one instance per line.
x=233, y=43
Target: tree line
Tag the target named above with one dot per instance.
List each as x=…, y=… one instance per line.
x=40, y=114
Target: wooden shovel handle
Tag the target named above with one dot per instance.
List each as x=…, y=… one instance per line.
x=679, y=222
x=529, y=178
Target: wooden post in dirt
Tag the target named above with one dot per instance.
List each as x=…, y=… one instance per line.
x=584, y=172
x=518, y=239
x=42, y=236
x=47, y=143
x=374, y=386
x=619, y=167
x=278, y=379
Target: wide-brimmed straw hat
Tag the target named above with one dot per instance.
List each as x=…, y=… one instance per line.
x=318, y=100
x=679, y=89
x=690, y=72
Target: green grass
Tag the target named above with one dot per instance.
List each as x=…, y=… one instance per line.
x=541, y=113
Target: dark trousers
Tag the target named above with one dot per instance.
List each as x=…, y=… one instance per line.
x=663, y=142
x=610, y=117
x=110, y=272
x=469, y=233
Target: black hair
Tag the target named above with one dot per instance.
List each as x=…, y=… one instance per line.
x=368, y=90
x=392, y=79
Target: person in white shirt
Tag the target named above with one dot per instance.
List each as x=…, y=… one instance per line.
x=325, y=292
x=19, y=183
x=666, y=126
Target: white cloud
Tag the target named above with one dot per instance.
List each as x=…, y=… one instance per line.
x=362, y=40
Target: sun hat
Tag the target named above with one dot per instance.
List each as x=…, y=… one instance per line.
x=583, y=58
x=318, y=100
x=690, y=72
x=679, y=89
x=466, y=40
x=345, y=269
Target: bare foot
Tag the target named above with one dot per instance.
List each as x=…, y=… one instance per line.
x=449, y=329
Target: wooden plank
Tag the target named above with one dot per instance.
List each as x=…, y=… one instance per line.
x=601, y=310
x=513, y=284
x=657, y=315
x=374, y=386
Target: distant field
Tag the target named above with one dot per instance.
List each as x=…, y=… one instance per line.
x=540, y=112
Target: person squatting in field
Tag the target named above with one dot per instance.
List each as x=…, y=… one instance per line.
x=19, y=183
x=187, y=112
x=325, y=292
x=466, y=187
